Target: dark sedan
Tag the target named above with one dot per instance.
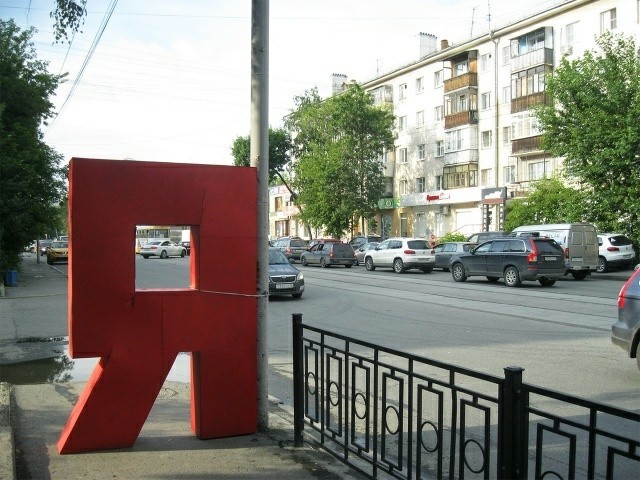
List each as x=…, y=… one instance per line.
x=284, y=278
x=444, y=252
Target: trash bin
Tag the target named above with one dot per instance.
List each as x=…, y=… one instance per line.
x=11, y=278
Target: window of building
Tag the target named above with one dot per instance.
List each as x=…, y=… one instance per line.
x=509, y=174
x=460, y=176
x=528, y=82
x=438, y=78
x=420, y=85
x=420, y=185
x=485, y=177
x=506, y=55
x=454, y=141
x=402, y=155
x=506, y=135
x=460, y=68
x=485, y=100
x=404, y=187
x=528, y=43
x=485, y=62
x=439, y=113
x=506, y=95
x=438, y=182
x=439, y=148
x=539, y=169
x=608, y=20
x=402, y=123
x=570, y=32
x=279, y=204
x=420, y=118
x=486, y=138
x=524, y=125
x=402, y=91
x=422, y=151
x=460, y=102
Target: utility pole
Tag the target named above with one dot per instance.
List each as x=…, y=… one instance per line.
x=260, y=159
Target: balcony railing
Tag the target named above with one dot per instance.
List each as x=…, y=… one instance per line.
x=524, y=145
x=469, y=117
x=461, y=157
x=469, y=79
x=531, y=59
x=526, y=103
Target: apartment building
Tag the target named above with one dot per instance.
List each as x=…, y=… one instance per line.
x=466, y=139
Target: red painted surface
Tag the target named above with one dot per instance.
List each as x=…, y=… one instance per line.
x=138, y=334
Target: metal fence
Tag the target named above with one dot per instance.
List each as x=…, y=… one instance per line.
x=390, y=414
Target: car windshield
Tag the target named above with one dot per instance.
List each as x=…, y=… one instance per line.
x=276, y=257
x=60, y=245
x=619, y=240
x=417, y=244
x=154, y=243
x=548, y=246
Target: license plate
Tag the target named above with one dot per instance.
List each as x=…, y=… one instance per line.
x=577, y=259
x=283, y=286
x=627, y=255
x=551, y=259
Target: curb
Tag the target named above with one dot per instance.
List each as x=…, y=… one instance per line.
x=7, y=449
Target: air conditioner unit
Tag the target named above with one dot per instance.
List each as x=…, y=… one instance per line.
x=445, y=209
x=566, y=50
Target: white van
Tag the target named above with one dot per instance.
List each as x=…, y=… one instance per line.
x=579, y=241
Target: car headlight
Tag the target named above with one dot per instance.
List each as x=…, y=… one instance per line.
x=300, y=276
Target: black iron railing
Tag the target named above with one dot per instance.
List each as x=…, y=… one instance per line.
x=390, y=414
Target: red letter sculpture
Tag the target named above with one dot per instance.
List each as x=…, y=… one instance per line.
x=138, y=334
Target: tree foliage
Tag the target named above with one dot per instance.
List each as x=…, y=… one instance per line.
x=550, y=201
x=279, y=148
x=31, y=180
x=68, y=17
x=337, y=142
x=594, y=122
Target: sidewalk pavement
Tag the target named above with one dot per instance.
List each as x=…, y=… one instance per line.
x=33, y=416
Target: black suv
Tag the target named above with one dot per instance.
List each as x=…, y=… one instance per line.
x=330, y=253
x=514, y=259
x=292, y=247
x=357, y=242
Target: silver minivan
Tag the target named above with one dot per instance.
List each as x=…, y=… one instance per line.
x=579, y=241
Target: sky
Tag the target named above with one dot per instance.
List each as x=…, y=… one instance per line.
x=169, y=80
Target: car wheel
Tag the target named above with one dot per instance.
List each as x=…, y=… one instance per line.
x=580, y=274
x=296, y=295
x=303, y=261
x=356, y=263
x=183, y=253
x=602, y=265
x=458, y=273
x=368, y=264
x=50, y=261
x=145, y=256
x=493, y=279
x=547, y=282
x=349, y=266
x=163, y=254
x=398, y=266
x=427, y=269
x=512, y=277
x=323, y=263
x=638, y=355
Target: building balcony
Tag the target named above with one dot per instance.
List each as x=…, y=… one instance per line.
x=523, y=146
x=382, y=95
x=469, y=79
x=525, y=103
x=388, y=169
x=541, y=56
x=468, y=117
x=460, y=157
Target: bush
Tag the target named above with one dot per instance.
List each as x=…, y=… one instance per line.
x=452, y=237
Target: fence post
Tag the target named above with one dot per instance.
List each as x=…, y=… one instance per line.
x=298, y=381
x=512, y=447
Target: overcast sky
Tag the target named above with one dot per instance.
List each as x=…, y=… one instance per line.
x=169, y=79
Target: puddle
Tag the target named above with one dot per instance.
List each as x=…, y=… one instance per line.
x=54, y=364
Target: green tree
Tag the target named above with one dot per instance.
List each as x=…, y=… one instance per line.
x=279, y=148
x=593, y=122
x=31, y=180
x=550, y=201
x=68, y=17
x=337, y=143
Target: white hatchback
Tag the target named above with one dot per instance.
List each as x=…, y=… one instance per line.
x=401, y=254
x=614, y=249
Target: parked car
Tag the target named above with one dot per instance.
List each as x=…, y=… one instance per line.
x=44, y=245
x=445, y=251
x=292, y=247
x=360, y=252
x=284, y=278
x=515, y=259
x=484, y=236
x=316, y=241
x=162, y=249
x=614, y=250
x=360, y=240
x=330, y=253
x=401, y=254
x=578, y=240
x=58, y=250
x=626, y=331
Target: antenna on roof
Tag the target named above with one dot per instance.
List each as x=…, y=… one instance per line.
x=489, y=13
x=473, y=14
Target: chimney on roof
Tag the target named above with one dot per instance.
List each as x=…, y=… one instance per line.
x=338, y=83
x=444, y=44
x=428, y=44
